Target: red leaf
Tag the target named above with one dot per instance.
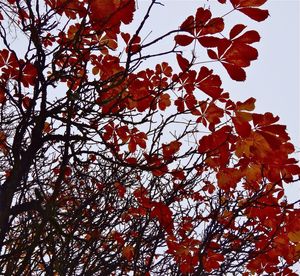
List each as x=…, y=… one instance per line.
x=248, y=3
x=26, y=102
x=131, y=160
x=183, y=40
x=112, y=13
x=120, y=189
x=209, y=41
x=2, y=95
x=170, y=149
x=164, y=101
x=215, y=140
x=188, y=24
x=29, y=74
x=255, y=14
x=240, y=54
x=212, y=54
x=223, y=45
x=202, y=16
x=213, y=26
x=242, y=127
x=235, y=72
x=209, y=83
x=182, y=62
x=126, y=37
x=132, y=145
x=68, y=171
x=236, y=30
x=180, y=104
x=178, y=174
x=249, y=37
x=126, y=8
x=123, y=133
x=164, y=215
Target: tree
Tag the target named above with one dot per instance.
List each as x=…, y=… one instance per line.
x=111, y=169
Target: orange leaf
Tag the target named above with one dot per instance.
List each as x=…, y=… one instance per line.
x=294, y=236
x=47, y=127
x=248, y=105
x=164, y=101
x=128, y=252
x=228, y=178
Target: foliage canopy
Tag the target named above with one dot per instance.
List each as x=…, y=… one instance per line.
x=111, y=169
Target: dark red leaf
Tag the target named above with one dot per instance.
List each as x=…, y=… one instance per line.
x=26, y=102
x=248, y=3
x=213, y=26
x=209, y=41
x=188, y=24
x=236, y=30
x=180, y=104
x=183, y=40
x=255, y=14
x=209, y=83
x=182, y=62
x=202, y=16
x=248, y=37
x=212, y=54
x=235, y=72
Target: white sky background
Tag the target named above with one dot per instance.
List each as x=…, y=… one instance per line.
x=273, y=79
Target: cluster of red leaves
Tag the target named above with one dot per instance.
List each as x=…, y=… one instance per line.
x=12, y=68
x=111, y=14
x=234, y=52
x=254, y=138
x=16, y=69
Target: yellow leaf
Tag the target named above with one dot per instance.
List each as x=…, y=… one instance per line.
x=294, y=236
x=253, y=172
x=248, y=105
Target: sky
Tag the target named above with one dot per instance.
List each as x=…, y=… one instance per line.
x=273, y=79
